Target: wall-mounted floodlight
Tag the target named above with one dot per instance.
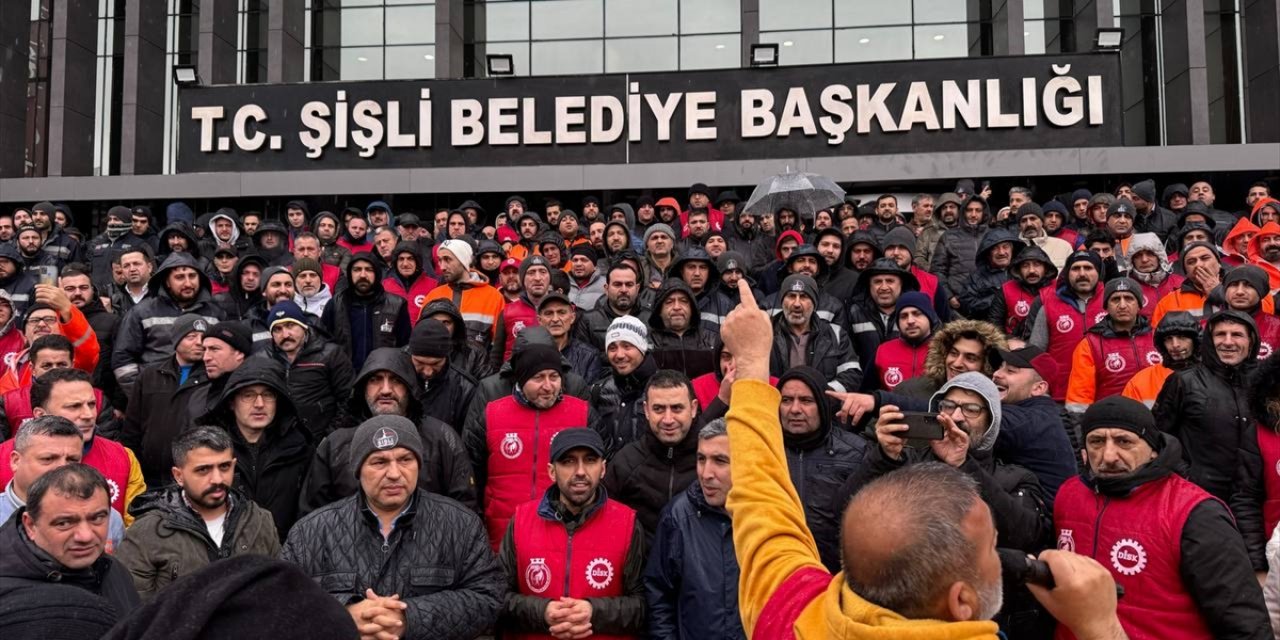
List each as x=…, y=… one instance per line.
x=1108, y=39
x=764, y=55
x=500, y=64
x=184, y=75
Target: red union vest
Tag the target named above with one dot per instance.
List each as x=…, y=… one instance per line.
x=1066, y=328
x=897, y=361
x=1152, y=295
x=109, y=457
x=928, y=282
x=415, y=296
x=1017, y=305
x=519, y=440
x=517, y=315
x=1269, y=447
x=550, y=564
x=1268, y=333
x=1138, y=539
x=1117, y=359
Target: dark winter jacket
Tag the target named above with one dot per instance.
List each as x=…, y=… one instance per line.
x=983, y=285
x=595, y=322
x=617, y=615
x=99, y=251
x=168, y=540
x=447, y=396
x=617, y=401
x=869, y=329
x=819, y=463
x=271, y=471
x=235, y=302
x=24, y=565
x=1032, y=435
x=145, y=332
x=318, y=377
x=193, y=247
x=445, y=469
x=1206, y=407
x=1251, y=489
x=157, y=413
x=584, y=360
x=466, y=355
x=756, y=247
x=646, y=474
x=953, y=260
x=691, y=580
x=104, y=324
x=828, y=350
x=437, y=558
x=359, y=324
x=690, y=353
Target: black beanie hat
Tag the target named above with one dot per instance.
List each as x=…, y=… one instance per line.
x=584, y=250
x=1119, y=412
x=430, y=339
x=535, y=359
x=235, y=334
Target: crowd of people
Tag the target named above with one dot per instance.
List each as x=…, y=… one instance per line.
x=672, y=418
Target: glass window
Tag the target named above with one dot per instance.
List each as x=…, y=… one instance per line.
x=801, y=47
x=567, y=57
x=870, y=13
x=568, y=19
x=361, y=63
x=710, y=16
x=626, y=55
x=876, y=43
x=1032, y=9
x=796, y=14
x=711, y=52
x=411, y=25
x=362, y=27
x=519, y=52
x=943, y=41
x=506, y=20
x=1033, y=36
x=411, y=62
x=640, y=18
x=931, y=11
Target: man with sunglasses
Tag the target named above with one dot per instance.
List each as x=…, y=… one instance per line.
x=969, y=411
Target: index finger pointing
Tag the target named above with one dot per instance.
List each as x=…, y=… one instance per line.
x=745, y=294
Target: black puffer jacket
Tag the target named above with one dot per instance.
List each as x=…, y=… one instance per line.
x=819, y=463
x=1251, y=488
x=646, y=474
x=594, y=323
x=953, y=260
x=690, y=353
x=385, y=318
x=235, y=302
x=24, y=565
x=145, y=332
x=447, y=396
x=437, y=559
x=983, y=285
x=270, y=472
x=691, y=580
x=1206, y=407
x=829, y=351
x=583, y=359
x=445, y=469
x=617, y=401
x=318, y=378
x=466, y=354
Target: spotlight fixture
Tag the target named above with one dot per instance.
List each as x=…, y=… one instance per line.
x=764, y=55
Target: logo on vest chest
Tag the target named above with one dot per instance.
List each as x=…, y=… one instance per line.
x=537, y=575
x=1154, y=358
x=1021, y=309
x=512, y=446
x=599, y=573
x=1264, y=350
x=1128, y=557
x=1065, y=323
x=1098, y=318
x=1114, y=363
x=517, y=327
x=115, y=489
x=419, y=300
x=1066, y=541
x=387, y=327
x=893, y=377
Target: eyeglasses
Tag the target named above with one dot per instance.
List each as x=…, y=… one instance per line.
x=44, y=320
x=252, y=397
x=971, y=410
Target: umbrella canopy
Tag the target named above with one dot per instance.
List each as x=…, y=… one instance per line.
x=804, y=193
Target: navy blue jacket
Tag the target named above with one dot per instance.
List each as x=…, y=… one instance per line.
x=1032, y=435
x=691, y=581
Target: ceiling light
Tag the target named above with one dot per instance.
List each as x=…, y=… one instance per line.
x=361, y=59
x=427, y=56
x=864, y=40
x=719, y=46
x=939, y=37
x=500, y=64
x=1026, y=34
x=787, y=43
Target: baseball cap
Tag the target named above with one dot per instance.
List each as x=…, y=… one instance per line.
x=576, y=438
x=509, y=263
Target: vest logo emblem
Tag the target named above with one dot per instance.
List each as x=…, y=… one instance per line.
x=1128, y=557
x=512, y=447
x=1278, y=467
x=386, y=326
x=1154, y=358
x=1114, y=363
x=1264, y=350
x=537, y=575
x=1066, y=541
x=599, y=573
x=1021, y=309
x=419, y=300
x=1098, y=318
x=1065, y=323
x=517, y=327
x=893, y=377
x=115, y=489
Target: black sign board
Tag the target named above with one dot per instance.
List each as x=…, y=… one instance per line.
x=918, y=106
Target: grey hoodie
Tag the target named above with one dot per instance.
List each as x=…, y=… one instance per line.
x=983, y=386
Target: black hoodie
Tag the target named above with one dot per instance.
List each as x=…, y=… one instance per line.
x=361, y=323
x=690, y=353
x=235, y=302
x=819, y=463
x=445, y=470
x=466, y=355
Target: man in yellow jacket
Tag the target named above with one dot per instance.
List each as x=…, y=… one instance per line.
x=785, y=593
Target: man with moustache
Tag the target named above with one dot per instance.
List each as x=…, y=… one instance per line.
x=1061, y=315
x=1029, y=273
x=363, y=316
x=574, y=558
x=1113, y=350
x=318, y=372
x=621, y=298
x=200, y=519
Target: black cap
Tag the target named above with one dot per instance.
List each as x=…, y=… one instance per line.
x=576, y=438
x=226, y=248
x=554, y=296
x=408, y=220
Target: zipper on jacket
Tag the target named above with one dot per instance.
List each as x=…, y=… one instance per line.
x=671, y=471
x=1097, y=527
x=533, y=488
x=568, y=558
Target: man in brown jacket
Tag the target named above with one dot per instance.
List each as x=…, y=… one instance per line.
x=183, y=527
